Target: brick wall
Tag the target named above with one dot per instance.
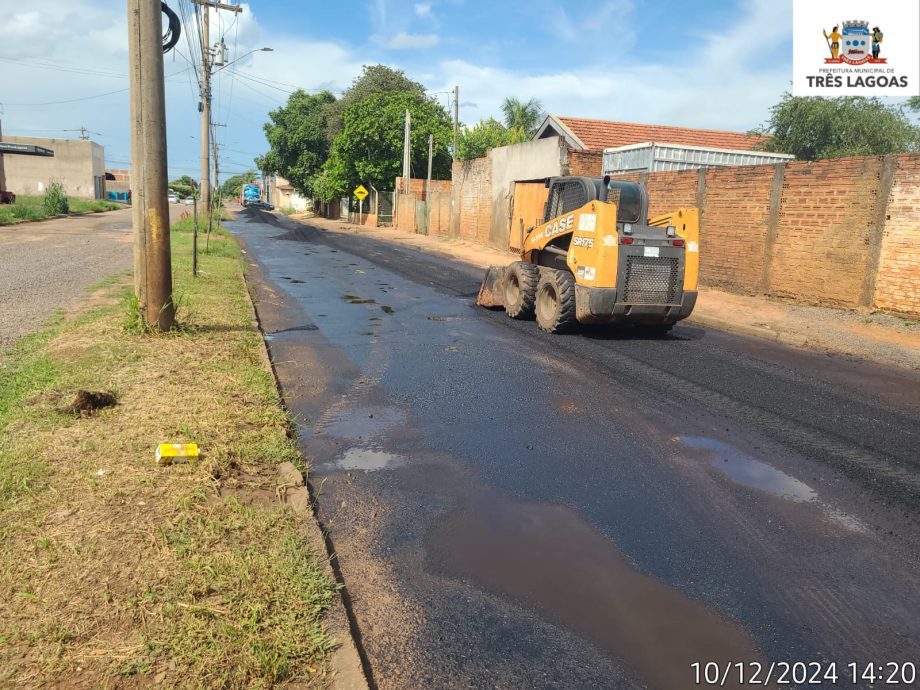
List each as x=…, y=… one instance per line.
x=586, y=163
x=897, y=285
x=826, y=218
x=472, y=200
x=671, y=190
x=737, y=209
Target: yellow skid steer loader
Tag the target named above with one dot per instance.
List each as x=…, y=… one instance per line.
x=598, y=258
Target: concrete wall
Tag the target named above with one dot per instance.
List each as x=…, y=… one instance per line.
x=532, y=160
x=78, y=164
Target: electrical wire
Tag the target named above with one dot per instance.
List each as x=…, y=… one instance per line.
x=82, y=98
x=173, y=28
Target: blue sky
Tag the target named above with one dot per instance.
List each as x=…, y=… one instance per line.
x=718, y=64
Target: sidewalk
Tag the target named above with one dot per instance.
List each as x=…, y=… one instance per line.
x=871, y=336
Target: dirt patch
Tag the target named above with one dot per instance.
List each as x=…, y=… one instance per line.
x=88, y=402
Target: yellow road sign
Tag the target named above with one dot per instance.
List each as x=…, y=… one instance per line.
x=360, y=192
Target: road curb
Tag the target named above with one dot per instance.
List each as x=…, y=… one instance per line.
x=347, y=667
x=763, y=332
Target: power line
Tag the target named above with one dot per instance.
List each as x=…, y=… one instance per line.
x=62, y=68
x=82, y=98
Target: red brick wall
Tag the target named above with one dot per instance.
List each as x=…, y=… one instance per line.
x=586, y=163
x=733, y=240
x=826, y=217
x=668, y=191
x=472, y=200
x=897, y=285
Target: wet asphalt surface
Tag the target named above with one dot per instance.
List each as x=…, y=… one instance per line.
x=514, y=509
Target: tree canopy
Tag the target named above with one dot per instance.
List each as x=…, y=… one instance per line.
x=233, y=185
x=815, y=128
x=524, y=115
x=476, y=141
x=368, y=150
x=184, y=186
x=298, y=140
x=374, y=79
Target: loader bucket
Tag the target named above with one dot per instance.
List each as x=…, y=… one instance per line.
x=491, y=294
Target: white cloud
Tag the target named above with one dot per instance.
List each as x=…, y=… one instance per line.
x=723, y=85
x=404, y=41
x=423, y=9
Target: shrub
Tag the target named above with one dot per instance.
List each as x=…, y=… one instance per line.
x=55, y=200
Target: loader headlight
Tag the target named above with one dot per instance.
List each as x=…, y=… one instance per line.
x=672, y=231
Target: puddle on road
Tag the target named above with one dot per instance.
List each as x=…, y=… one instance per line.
x=366, y=460
x=359, y=422
x=547, y=555
x=749, y=471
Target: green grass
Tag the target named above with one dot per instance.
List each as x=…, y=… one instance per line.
x=30, y=208
x=129, y=571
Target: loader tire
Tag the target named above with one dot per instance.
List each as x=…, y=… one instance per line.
x=521, y=279
x=555, y=308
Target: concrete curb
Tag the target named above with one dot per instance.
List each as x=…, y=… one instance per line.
x=347, y=669
x=762, y=332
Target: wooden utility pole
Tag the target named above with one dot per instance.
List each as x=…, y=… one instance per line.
x=149, y=203
x=456, y=118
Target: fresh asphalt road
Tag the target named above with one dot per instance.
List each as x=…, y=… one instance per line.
x=514, y=509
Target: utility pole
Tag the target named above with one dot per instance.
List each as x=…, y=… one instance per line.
x=150, y=207
x=456, y=118
x=428, y=184
x=206, y=61
x=407, y=152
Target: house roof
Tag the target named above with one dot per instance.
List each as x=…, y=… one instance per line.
x=596, y=135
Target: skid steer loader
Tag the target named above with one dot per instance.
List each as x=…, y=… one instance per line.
x=598, y=258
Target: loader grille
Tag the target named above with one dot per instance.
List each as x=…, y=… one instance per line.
x=650, y=280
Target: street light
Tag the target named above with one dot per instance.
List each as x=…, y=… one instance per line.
x=257, y=50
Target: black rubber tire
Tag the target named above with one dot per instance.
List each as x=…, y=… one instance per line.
x=555, y=303
x=520, y=289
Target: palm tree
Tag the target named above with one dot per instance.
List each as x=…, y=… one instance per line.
x=520, y=115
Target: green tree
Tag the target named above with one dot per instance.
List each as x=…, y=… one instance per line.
x=297, y=137
x=184, y=186
x=815, y=128
x=525, y=115
x=476, y=141
x=368, y=150
x=233, y=185
x=374, y=79
x=913, y=103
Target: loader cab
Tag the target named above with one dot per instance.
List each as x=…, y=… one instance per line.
x=630, y=197
x=567, y=194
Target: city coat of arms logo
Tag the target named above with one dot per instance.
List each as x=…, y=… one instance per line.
x=855, y=45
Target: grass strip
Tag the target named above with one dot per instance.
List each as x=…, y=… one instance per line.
x=31, y=208
x=116, y=571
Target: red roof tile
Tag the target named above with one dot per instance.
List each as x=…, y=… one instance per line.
x=600, y=134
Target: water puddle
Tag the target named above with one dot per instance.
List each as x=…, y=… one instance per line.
x=749, y=471
x=546, y=555
x=366, y=460
x=359, y=422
